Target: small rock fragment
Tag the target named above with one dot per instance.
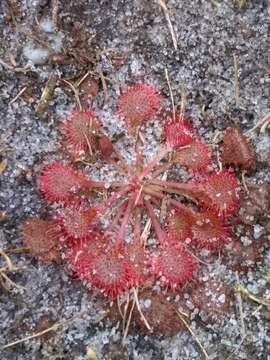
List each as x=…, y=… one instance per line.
x=37, y=56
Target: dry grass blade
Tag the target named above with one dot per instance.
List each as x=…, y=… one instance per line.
x=236, y=81
x=14, y=69
x=3, y=165
x=145, y=232
x=193, y=334
x=128, y=322
x=16, y=250
x=232, y=355
x=135, y=294
x=262, y=124
x=18, y=95
x=171, y=93
x=241, y=289
x=240, y=308
x=183, y=104
x=46, y=95
x=55, y=7
x=241, y=4
x=54, y=327
x=103, y=81
x=8, y=268
x=167, y=16
x=76, y=93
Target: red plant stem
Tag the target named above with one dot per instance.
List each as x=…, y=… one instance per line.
x=119, y=212
x=101, y=207
x=159, y=232
x=121, y=166
x=116, y=184
x=127, y=214
x=122, y=161
x=191, y=191
x=172, y=185
x=150, y=166
x=176, y=204
x=139, y=157
x=96, y=184
x=137, y=224
x=105, y=185
x=161, y=169
x=153, y=192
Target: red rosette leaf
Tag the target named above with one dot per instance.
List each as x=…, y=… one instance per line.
x=80, y=254
x=221, y=187
x=196, y=156
x=77, y=221
x=178, y=132
x=81, y=132
x=209, y=231
x=138, y=260
x=111, y=272
x=179, y=223
x=61, y=182
x=173, y=265
x=137, y=104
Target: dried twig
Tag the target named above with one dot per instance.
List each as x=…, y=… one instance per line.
x=8, y=268
x=236, y=81
x=76, y=93
x=170, y=90
x=103, y=81
x=55, y=8
x=241, y=289
x=167, y=16
x=193, y=334
x=183, y=104
x=240, y=308
x=262, y=124
x=46, y=95
x=243, y=173
x=231, y=356
x=54, y=327
x=12, y=68
x=16, y=250
x=18, y=95
x=143, y=318
x=241, y=4
x=145, y=232
x=126, y=325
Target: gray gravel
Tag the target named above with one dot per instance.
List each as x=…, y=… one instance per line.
x=209, y=34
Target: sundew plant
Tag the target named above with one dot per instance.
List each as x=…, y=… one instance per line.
x=185, y=216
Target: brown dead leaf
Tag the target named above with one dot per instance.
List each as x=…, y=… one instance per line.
x=237, y=150
x=41, y=237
